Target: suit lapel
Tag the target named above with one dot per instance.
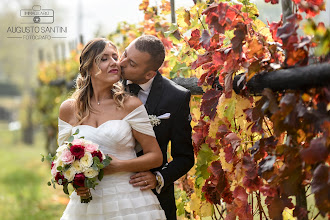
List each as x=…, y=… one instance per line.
x=154, y=95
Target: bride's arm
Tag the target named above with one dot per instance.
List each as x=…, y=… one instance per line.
x=152, y=157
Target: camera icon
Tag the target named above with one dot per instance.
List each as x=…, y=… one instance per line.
x=36, y=15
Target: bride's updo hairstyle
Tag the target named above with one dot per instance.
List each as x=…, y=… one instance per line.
x=93, y=51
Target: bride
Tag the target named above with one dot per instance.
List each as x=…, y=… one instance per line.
x=105, y=114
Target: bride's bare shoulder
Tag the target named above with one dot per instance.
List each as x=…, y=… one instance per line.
x=132, y=103
x=67, y=110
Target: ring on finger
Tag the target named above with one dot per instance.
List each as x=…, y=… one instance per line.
x=146, y=182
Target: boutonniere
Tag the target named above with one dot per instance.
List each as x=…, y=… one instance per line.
x=155, y=120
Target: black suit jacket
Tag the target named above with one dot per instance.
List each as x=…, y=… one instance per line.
x=167, y=97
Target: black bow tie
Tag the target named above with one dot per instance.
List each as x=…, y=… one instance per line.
x=134, y=88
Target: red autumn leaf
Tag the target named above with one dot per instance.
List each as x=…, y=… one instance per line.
x=268, y=191
x=222, y=131
x=316, y=152
x=237, y=40
x=233, y=139
x=310, y=7
x=249, y=166
x=300, y=213
x=194, y=40
x=297, y=56
x=321, y=188
x=216, y=186
x=275, y=207
x=229, y=154
x=240, y=196
x=286, y=31
x=167, y=44
x=273, y=29
x=210, y=102
x=219, y=58
x=277, y=204
x=202, y=59
x=205, y=39
x=222, y=12
x=200, y=131
x=252, y=184
x=272, y=1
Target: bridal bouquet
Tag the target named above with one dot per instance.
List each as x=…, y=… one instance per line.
x=77, y=161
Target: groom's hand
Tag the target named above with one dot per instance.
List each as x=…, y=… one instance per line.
x=144, y=180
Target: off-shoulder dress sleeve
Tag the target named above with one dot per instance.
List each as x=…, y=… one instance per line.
x=139, y=121
x=64, y=131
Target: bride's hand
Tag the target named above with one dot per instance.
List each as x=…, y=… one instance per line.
x=113, y=167
x=82, y=191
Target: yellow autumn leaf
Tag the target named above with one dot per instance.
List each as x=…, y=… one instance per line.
x=263, y=29
x=288, y=214
x=195, y=203
x=240, y=116
x=206, y=209
x=228, y=167
x=214, y=126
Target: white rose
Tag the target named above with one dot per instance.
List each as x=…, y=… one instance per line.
x=61, y=148
x=59, y=162
x=90, y=173
x=87, y=160
x=70, y=173
x=78, y=167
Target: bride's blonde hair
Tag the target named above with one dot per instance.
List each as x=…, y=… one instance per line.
x=92, y=52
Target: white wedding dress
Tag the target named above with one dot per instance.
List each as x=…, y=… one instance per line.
x=114, y=198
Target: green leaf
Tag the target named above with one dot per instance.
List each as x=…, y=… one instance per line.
x=100, y=165
x=95, y=167
x=71, y=138
x=66, y=167
x=49, y=183
x=59, y=168
x=42, y=159
x=89, y=184
x=65, y=188
x=101, y=174
x=77, y=132
x=60, y=182
x=106, y=161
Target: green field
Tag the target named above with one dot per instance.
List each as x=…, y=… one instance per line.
x=24, y=193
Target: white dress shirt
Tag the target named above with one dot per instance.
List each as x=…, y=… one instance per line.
x=144, y=91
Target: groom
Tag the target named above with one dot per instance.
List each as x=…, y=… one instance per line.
x=162, y=97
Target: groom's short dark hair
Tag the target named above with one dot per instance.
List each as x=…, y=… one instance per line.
x=153, y=46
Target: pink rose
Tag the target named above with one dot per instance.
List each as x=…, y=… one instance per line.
x=79, y=179
x=78, y=151
x=53, y=170
x=91, y=147
x=67, y=157
x=77, y=142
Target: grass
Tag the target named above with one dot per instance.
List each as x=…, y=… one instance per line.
x=24, y=193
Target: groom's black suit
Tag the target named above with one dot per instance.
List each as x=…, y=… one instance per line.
x=167, y=97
